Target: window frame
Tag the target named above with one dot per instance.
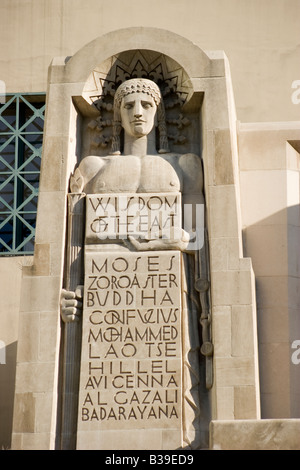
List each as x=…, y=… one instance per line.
x=18, y=174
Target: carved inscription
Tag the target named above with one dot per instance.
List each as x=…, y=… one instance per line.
x=144, y=215
x=131, y=352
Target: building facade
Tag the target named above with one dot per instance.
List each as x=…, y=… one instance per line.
x=261, y=237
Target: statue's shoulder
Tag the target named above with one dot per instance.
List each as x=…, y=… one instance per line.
x=92, y=162
x=187, y=161
x=182, y=156
x=86, y=170
x=185, y=157
x=190, y=165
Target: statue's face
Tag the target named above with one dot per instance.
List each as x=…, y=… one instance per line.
x=138, y=114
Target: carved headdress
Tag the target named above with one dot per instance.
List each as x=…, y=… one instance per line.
x=139, y=85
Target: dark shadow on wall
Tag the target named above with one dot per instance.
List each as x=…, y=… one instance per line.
x=273, y=244
x=7, y=393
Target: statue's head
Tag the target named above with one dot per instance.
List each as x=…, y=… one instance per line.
x=138, y=107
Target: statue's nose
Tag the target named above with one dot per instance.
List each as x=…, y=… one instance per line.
x=138, y=110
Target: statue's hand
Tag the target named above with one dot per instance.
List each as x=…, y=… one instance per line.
x=71, y=304
x=156, y=243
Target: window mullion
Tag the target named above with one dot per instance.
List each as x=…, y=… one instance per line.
x=22, y=144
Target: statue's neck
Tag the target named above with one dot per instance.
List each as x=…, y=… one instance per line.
x=140, y=146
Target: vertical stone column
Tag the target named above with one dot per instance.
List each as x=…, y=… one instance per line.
x=235, y=392
x=72, y=331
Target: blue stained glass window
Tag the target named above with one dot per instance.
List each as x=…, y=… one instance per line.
x=21, y=138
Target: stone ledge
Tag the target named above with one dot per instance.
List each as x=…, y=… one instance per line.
x=264, y=434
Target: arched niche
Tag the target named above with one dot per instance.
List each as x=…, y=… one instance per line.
x=182, y=104
x=193, y=59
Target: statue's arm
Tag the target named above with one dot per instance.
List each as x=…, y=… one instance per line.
x=192, y=178
x=144, y=244
x=85, y=172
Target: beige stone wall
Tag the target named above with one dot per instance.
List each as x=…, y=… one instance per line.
x=235, y=391
x=260, y=38
x=10, y=281
x=270, y=177
x=266, y=434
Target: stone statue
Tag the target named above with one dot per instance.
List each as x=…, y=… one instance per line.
x=141, y=168
x=139, y=110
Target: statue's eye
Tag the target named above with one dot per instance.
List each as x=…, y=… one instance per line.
x=146, y=105
x=128, y=105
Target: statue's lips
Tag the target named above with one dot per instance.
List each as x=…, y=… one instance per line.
x=137, y=122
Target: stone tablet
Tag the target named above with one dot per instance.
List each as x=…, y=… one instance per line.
x=130, y=381
x=119, y=216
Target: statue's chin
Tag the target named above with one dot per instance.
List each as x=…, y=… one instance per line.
x=139, y=132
